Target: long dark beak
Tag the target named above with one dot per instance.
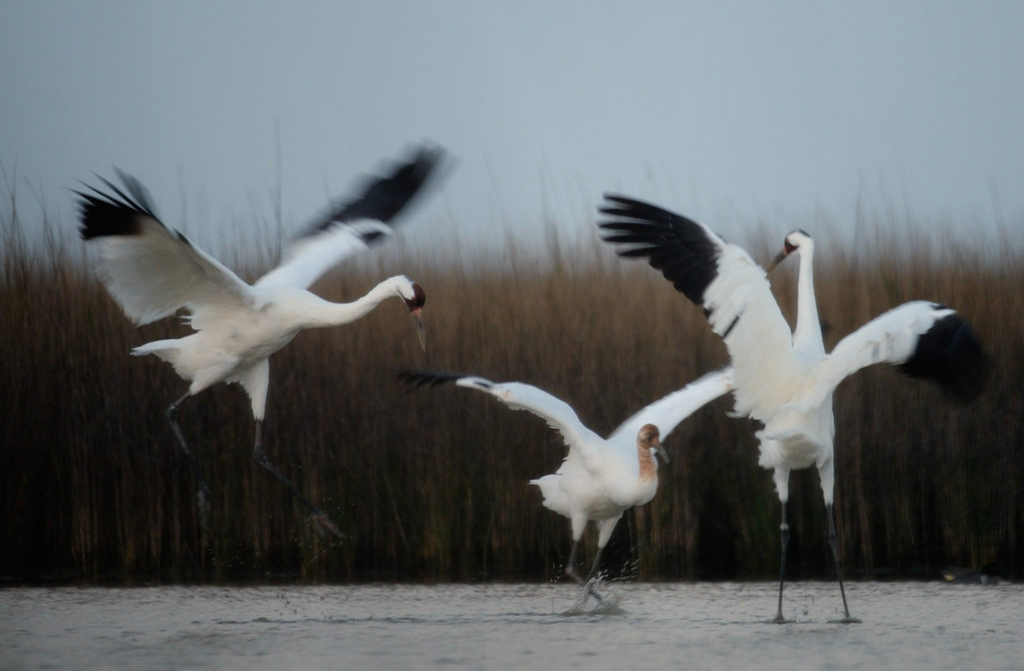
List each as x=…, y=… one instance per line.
x=777, y=260
x=417, y=317
x=659, y=450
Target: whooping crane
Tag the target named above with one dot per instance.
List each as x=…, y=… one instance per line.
x=600, y=478
x=153, y=271
x=784, y=378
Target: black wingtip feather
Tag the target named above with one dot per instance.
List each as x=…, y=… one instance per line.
x=383, y=197
x=106, y=214
x=677, y=246
x=138, y=192
x=950, y=354
x=420, y=378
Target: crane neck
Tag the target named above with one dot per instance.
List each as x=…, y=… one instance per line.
x=648, y=467
x=326, y=313
x=807, y=335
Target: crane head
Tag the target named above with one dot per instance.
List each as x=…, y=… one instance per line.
x=415, y=305
x=794, y=240
x=649, y=437
x=414, y=298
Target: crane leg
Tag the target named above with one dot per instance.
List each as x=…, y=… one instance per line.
x=570, y=570
x=597, y=561
x=570, y=566
x=833, y=543
x=784, y=538
x=203, y=493
x=261, y=458
x=589, y=589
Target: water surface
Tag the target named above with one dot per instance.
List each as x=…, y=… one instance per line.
x=910, y=625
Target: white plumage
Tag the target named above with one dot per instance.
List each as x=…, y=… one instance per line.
x=311, y=256
x=153, y=271
x=784, y=378
x=600, y=478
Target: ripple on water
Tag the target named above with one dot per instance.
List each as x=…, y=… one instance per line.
x=911, y=625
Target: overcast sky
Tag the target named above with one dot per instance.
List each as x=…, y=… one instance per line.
x=726, y=111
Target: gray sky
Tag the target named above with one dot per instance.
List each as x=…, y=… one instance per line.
x=724, y=110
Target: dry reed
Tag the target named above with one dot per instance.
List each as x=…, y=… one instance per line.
x=432, y=485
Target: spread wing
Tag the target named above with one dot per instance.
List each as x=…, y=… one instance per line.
x=150, y=270
x=353, y=225
x=716, y=275
x=518, y=396
x=669, y=412
x=926, y=340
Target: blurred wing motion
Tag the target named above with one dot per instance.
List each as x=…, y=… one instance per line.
x=717, y=276
x=354, y=225
x=149, y=269
x=519, y=396
x=926, y=340
x=669, y=412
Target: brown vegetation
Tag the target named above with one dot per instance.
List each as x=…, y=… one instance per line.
x=433, y=484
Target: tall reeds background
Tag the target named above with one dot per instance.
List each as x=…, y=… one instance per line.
x=432, y=485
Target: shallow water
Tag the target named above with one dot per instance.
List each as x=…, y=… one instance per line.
x=910, y=625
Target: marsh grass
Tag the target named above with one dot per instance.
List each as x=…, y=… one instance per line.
x=432, y=485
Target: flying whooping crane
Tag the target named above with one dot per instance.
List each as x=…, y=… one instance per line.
x=600, y=478
x=153, y=271
x=784, y=378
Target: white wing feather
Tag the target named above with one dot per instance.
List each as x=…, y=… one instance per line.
x=351, y=225
x=155, y=272
x=889, y=338
x=757, y=336
x=310, y=257
x=670, y=411
x=720, y=277
x=559, y=415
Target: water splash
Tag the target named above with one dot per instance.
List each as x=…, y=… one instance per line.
x=589, y=604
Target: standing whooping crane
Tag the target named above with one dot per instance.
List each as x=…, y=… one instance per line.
x=784, y=378
x=153, y=271
x=600, y=478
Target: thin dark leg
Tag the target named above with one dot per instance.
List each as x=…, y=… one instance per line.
x=833, y=543
x=318, y=516
x=203, y=493
x=597, y=561
x=589, y=589
x=570, y=570
x=784, y=538
x=570, y=566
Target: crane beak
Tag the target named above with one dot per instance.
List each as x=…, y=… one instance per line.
x=659, y=450
x=417, y=317
x=777, y=260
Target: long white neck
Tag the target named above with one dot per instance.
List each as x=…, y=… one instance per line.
x=324, y=313
x=648, y=466
x=807, y=335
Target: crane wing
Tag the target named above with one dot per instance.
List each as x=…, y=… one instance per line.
x=926, y=340
x=718, y=276
x=518, y=396
x=669, y=412
x=150, y=270
x=351, y=226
